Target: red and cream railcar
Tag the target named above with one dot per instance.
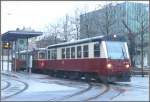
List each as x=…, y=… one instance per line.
x=22, y=59
x=104, y=58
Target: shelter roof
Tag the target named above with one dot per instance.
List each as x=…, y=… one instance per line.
x=14, y=35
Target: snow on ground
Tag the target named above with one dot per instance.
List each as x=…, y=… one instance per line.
x=45, y=89
x=5, y=66
x=38, y=91
x=139, y=90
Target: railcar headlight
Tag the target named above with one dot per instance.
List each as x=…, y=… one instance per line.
x=109, y=66
x=127, y=65
x=42, y=64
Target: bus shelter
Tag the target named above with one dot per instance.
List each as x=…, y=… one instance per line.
x=9, y=45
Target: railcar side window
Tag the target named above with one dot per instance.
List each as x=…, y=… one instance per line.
x=35, y=55
x=49, y=55
x=85, y=51
x=63, y=53
x=72, y=52
x=97, y=50
x=67, y=52
x=79, y=52
x=42, y=55
x=54, y=54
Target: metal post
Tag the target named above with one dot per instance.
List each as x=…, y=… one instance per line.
x=149, y=51
x=27, y=57
x=15, y=56
x=0, y=51
x=2, y=59
x=11, y=56
x=8, y=59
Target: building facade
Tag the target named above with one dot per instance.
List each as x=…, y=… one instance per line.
x=120, y=19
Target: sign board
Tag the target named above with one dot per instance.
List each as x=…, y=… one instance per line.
x=22, y=44
x=7, y=45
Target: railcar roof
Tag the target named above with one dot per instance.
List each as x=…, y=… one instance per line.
x=93, y=39
x=36, y=49
x=86, y=40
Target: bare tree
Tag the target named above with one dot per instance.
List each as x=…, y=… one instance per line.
x=131, y=37
x=56, y=31
x=76, y=22
x=140, y=18
x=107, y=20
x=67, y=28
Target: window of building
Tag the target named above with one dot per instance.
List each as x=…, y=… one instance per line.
x=79, y=52
x=63, y=53
x=72, y=52
x=96, y=50
x=85, y=51
x=67, y=52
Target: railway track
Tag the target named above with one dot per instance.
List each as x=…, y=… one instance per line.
x=74, y=94
x=98, y=90
x=15, y=87
x=3, y=86
x=105, y=90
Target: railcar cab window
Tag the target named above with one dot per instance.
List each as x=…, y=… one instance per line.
x=79, y=52
x=67, y=52
x=63, y=53
x=97, y=50
x=85, y=51
x=72, y=52
x=116, y=50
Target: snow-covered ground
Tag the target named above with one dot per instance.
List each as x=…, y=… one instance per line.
x=44, y=88
x=5, y=66
x=137, y=91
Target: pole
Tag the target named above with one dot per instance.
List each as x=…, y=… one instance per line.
x=149, y=48
x=142, y=54
x=27, y=56
x=8, y=59
x=15, y=57
x=2, y=58
x=0, y=51
x=11, y=56
x=149, y=52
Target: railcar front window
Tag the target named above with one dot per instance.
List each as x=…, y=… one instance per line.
x=116, y=50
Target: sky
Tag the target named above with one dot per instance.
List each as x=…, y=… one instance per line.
x=38, y=14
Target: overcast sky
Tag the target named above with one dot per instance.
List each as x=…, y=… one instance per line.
x=38, y=14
